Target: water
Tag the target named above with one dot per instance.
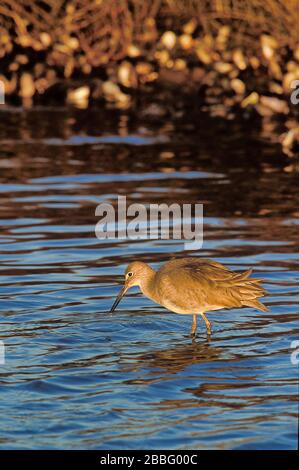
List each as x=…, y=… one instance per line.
x=76, y=377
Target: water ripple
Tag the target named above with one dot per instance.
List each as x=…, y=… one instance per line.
x=75, y=376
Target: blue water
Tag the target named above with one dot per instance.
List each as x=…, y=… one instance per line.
x=77, y=377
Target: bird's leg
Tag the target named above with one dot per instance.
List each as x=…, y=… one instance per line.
x=194, y=326
x=208, y=324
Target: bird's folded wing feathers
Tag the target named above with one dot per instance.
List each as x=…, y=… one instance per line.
x=210, y=283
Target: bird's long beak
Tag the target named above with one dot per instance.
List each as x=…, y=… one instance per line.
x=119, y=297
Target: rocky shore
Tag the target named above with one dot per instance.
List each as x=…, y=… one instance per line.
x=85, y=53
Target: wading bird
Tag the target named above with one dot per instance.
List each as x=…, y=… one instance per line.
x=194, y=286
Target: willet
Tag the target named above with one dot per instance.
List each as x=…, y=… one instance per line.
x=194, y=286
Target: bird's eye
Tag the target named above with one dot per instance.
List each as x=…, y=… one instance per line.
x=130, y=274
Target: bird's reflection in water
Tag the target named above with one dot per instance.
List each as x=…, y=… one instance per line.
x=175, y=359
x=203, y=391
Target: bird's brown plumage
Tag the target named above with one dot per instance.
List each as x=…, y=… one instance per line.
x=196, y=284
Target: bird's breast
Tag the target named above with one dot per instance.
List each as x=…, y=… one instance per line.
x=177, y=308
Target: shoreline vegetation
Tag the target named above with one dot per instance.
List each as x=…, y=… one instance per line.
x=231, y=59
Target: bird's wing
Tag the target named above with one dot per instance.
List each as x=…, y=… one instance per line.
x=209, y=284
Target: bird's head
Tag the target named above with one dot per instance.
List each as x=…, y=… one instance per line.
x=134, y=274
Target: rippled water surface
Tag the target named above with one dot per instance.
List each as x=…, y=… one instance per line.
x=77, y=377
